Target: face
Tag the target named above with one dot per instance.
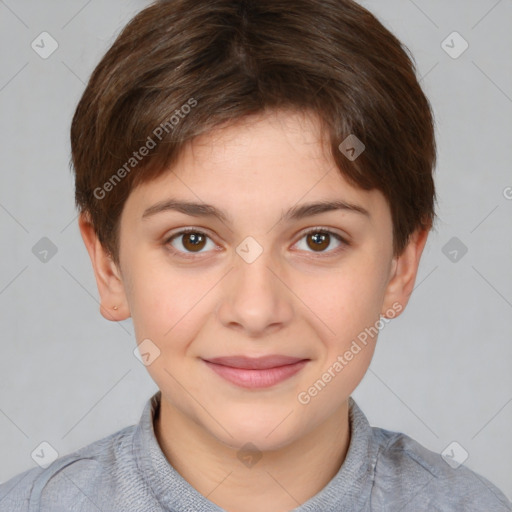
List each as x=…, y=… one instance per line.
x=278, y=292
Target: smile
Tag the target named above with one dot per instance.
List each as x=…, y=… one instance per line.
x=253, y=373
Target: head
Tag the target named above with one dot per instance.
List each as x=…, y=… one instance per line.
x=241, y=108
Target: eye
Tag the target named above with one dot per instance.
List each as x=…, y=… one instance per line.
x=192, y=240
x=318, y=239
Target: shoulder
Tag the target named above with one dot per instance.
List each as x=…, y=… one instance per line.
x=408, y=476
x=72, y=479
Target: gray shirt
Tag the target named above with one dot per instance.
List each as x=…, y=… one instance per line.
x=127, y=471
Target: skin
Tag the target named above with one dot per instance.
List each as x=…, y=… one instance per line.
x=294, y=299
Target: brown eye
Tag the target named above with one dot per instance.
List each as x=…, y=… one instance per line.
x=193, y=241
x=188, y=241
x=319, y=240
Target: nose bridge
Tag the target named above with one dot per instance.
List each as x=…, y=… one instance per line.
x=255, y=297
x=253, y=266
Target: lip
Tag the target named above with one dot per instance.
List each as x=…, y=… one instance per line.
x=256, y=372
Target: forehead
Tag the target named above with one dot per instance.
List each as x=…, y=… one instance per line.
x=263, y=163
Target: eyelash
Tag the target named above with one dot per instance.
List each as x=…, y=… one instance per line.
x=318, y=229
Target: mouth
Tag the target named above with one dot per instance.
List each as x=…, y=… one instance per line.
x=259, y=372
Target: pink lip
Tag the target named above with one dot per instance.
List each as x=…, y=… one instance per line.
x=259, y=372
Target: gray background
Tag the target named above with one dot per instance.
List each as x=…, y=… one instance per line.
x=441, y=372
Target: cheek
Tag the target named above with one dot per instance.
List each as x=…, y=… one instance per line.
x=167, y=307
x=347, y=300
x=349, y=303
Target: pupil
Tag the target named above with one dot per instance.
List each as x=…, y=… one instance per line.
x=193, y=241
x=320, y=240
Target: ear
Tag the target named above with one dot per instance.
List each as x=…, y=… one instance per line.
x=108, y=276
x=404, y=269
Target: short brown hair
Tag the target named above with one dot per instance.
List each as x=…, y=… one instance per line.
x=183, y=67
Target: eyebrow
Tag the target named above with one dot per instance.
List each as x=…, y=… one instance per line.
x=295, y=213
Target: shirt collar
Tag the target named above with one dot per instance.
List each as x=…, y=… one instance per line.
x=348, y=490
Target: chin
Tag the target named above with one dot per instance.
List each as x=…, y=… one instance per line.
x=266, y=431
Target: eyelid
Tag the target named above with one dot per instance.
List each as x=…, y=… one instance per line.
x=324, y=229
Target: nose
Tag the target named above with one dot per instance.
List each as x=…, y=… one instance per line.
x=255, y=298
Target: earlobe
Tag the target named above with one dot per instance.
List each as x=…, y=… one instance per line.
x=404, y=272
x=113, y=303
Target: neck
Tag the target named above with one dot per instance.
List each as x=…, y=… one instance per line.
x=279, y=481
